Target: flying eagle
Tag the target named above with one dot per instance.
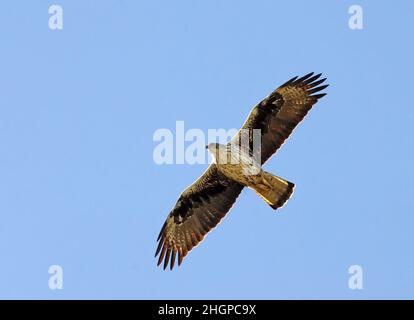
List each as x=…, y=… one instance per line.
x=202, y=205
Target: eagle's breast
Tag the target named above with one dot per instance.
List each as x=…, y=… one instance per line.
x=239, y=164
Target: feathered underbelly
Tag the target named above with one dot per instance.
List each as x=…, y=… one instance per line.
x=241, y=167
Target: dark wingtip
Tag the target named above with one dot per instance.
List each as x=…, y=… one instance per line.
x=174, y=252
x=180, y=256
x=162, y=230
x=289, y=81
x=317, y=89
x=158, y=249
x=302, y=79
x=312, y=79
x=318, y=96
x=313, y=85
x=167, y=258
x=162, y=254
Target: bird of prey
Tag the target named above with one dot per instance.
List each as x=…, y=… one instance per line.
x=202, y=205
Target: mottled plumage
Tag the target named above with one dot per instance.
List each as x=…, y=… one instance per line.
x=203, y=204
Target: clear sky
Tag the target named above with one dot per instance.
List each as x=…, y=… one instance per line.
x=79, y=187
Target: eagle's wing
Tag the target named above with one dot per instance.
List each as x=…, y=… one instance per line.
x=279, y=113
x=198, y=210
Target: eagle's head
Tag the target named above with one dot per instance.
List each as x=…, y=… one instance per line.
x=215, y=150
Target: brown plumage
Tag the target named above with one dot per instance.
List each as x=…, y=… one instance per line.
x=203, y=204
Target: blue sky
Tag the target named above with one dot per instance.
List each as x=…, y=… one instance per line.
x=79, y=187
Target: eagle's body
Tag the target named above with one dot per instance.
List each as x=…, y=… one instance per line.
x=234, y=161
x=237, y=165
x=240, y=165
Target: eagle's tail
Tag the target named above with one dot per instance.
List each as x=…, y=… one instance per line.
x=274, y=190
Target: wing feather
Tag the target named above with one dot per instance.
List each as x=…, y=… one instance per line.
x=198, y=210
x=280, y=112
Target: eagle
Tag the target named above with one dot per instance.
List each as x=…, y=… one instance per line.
x=203, y=204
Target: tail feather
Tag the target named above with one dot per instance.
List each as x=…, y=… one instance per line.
x=274, y=190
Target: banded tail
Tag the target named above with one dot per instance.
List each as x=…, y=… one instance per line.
x=274, y=190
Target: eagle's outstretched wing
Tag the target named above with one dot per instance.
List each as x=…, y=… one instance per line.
x=198, y=210
x=280, y=112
